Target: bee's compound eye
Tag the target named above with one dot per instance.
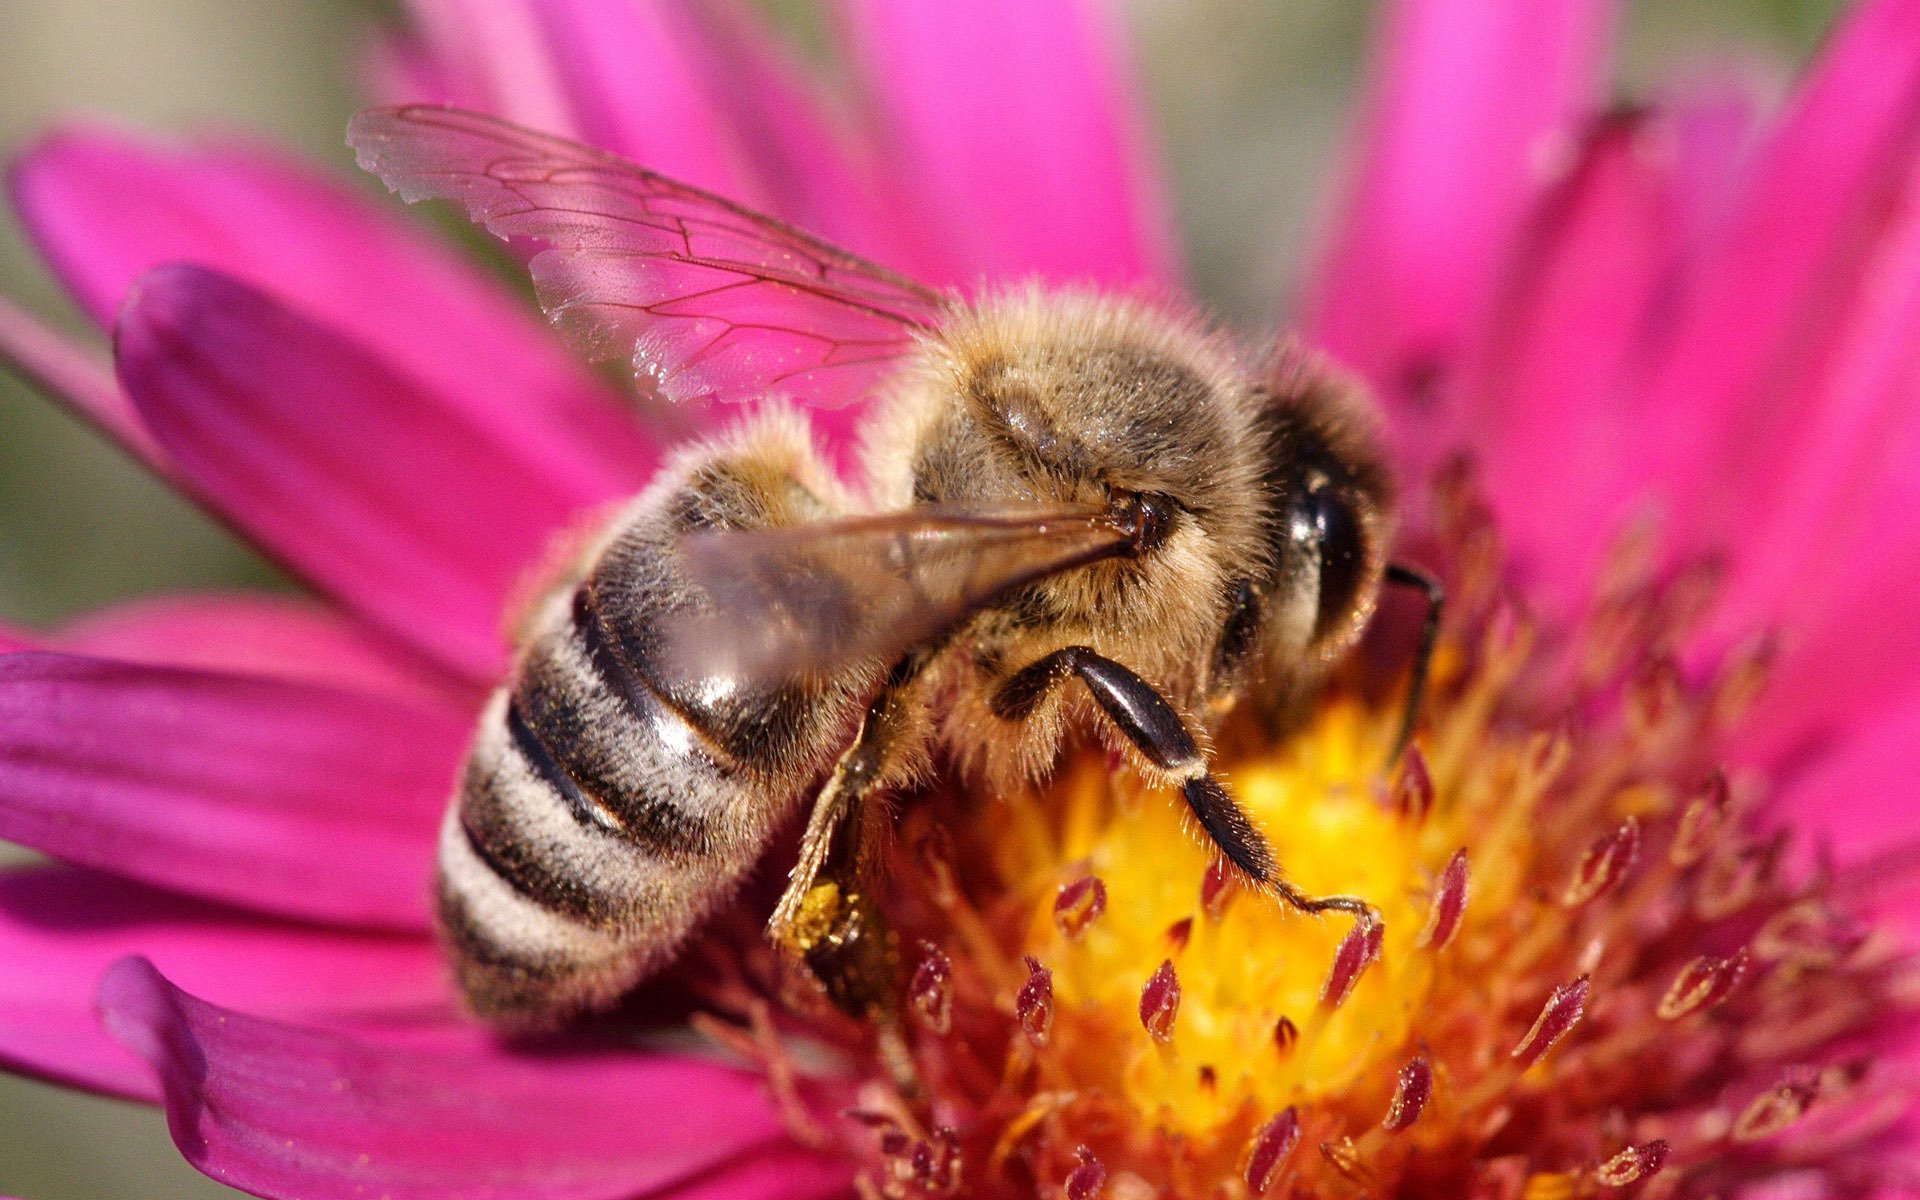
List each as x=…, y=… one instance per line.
x=1329, y=521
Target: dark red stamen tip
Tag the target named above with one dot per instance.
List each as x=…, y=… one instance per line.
x=1270, y=1149
x=1604, y=865
x=1773, y=1110
x=1655, y=695
x=1413, y=790
x=1079, y=904
x=1633, y=1164
x=1410, y=1094
x=1558, y=1015
x=1700, y=822
x=1285, y=1034
x=1702, y=983
x=931, y=990
x=1087, y=1178
x=1180, y=933
x=1449, y=903
x=1034, y=1004
x=1215, y=889
x=1160, y=1002
x=1357, y=951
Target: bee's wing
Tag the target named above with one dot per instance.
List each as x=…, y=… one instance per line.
x=708, y=299
x=811, y=599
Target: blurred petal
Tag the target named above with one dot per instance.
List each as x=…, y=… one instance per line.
x=82, y=381
x=61, y=927
x=1851, y=798
x=1014, y=121
x=813, y=171
x=1541, y=380
x=282, y=1111
x=300, y=799
x=1828, y=539
x=631, y=80
x=259, y=634
x=105, y=208
x=1760, y=317
x=1469, y=105
x=365, y=481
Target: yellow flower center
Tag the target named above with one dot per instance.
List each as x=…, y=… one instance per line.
x=1244, y=963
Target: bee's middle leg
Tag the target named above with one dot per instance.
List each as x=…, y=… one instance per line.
x=1162, y=736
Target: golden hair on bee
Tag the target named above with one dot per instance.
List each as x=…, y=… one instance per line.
x=1082, y=514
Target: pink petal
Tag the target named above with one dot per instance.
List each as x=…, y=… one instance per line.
x=104, y=208
x=1469, y=106
x=813, y=171
x=278, y=1110
x=1853, y=798
x=1540, y=381
x=254, y=633
x=1013, y=123
x=632, y=81
x=1828, y=531
x=61, y=927
x=302, y=799
x=1729, y=397
x=370, y=484
x=81, y=380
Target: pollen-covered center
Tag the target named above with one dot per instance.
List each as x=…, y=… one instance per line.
x=1187, y=995
x=1590, y=969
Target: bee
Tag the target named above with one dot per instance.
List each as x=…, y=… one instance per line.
x=1080, y=513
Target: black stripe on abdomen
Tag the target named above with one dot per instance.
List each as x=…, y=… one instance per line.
x=587, y=810
x=606, y=744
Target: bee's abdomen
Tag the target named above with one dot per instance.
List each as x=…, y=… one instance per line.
x=605, y=808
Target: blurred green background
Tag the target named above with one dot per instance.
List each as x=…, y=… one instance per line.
x=1248, y=98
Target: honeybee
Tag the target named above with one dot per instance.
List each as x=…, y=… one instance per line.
x=1081, y=512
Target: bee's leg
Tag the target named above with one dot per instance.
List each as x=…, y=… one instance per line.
x=826, y=920
x=1401, y=575
x=1162, y=737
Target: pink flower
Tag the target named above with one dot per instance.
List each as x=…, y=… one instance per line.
x=1675, y=343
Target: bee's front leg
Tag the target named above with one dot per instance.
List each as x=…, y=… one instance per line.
x=1158, y=731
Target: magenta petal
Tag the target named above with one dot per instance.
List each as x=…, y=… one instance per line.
x=667, y=116
x=1832, y=519
x=258, y=634
x=1852, y=800
x=813, y=172
x=1761, y=314
x=83, y=382
x=1467, y=106
x=1540, y=380
x=301, y=799
x=1013, y=119
x=278, y=1110
x=61, y=927
x=370, y=484
x=105, y=208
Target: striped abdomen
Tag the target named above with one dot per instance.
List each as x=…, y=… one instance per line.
x=607, y=807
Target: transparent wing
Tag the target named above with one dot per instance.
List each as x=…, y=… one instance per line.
x=708, y=299
x=813, y=598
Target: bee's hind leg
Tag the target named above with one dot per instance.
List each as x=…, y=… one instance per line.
x=826, y=920
x=1161, y=735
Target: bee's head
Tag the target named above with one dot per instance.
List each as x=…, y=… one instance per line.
x=1328, y=527
x=1083, y=401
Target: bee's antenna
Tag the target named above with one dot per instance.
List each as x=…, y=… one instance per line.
x=1401, y=575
